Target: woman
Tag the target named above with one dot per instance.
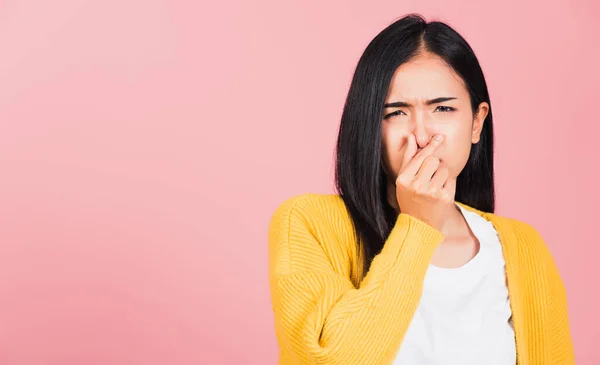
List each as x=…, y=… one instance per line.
x=408, y=264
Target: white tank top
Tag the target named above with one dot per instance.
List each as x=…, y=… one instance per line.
x=464, y=315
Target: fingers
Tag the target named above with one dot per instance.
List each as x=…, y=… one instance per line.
x=439, y=178
x=425, y=174
x=413, y=166
x=450, y=188
x=409, y=151
x=423, y=182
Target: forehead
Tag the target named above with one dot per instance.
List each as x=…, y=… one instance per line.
x=426, y=76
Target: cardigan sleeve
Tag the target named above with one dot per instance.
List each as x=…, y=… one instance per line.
x=561, y=348
x=562, y=351
x=320, y=316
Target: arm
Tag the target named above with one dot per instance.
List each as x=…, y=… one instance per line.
x=560, y=347
x=562, y=351
x=320, y=317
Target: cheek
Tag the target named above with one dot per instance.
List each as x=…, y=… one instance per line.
x=455, y=152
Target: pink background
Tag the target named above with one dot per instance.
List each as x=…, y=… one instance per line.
x=144, y=146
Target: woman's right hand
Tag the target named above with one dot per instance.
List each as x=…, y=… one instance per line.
x=424, y=189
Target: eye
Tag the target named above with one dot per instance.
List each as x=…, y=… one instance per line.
x=392, y=114
x=444, y=109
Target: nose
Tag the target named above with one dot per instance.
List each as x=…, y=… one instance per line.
x=420, y=130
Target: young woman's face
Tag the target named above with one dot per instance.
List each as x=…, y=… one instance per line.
x=427, y=97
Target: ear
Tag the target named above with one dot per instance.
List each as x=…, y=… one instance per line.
x=478, y=119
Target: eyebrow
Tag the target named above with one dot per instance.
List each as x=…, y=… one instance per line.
x=399, y=104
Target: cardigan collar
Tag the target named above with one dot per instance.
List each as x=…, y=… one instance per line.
x=510, y=245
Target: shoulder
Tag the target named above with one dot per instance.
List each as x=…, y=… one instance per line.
x=523, y=240
x=310, y=199
x=310, y=209
x=526, y=235
x=310, y=230
x=519, y=239
x=529, y=254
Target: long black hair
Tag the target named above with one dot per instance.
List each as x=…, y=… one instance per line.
x=360, y=178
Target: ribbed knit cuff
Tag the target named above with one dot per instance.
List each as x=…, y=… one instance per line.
x=413, y=238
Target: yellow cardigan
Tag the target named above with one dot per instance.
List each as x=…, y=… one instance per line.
x=327, y=313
